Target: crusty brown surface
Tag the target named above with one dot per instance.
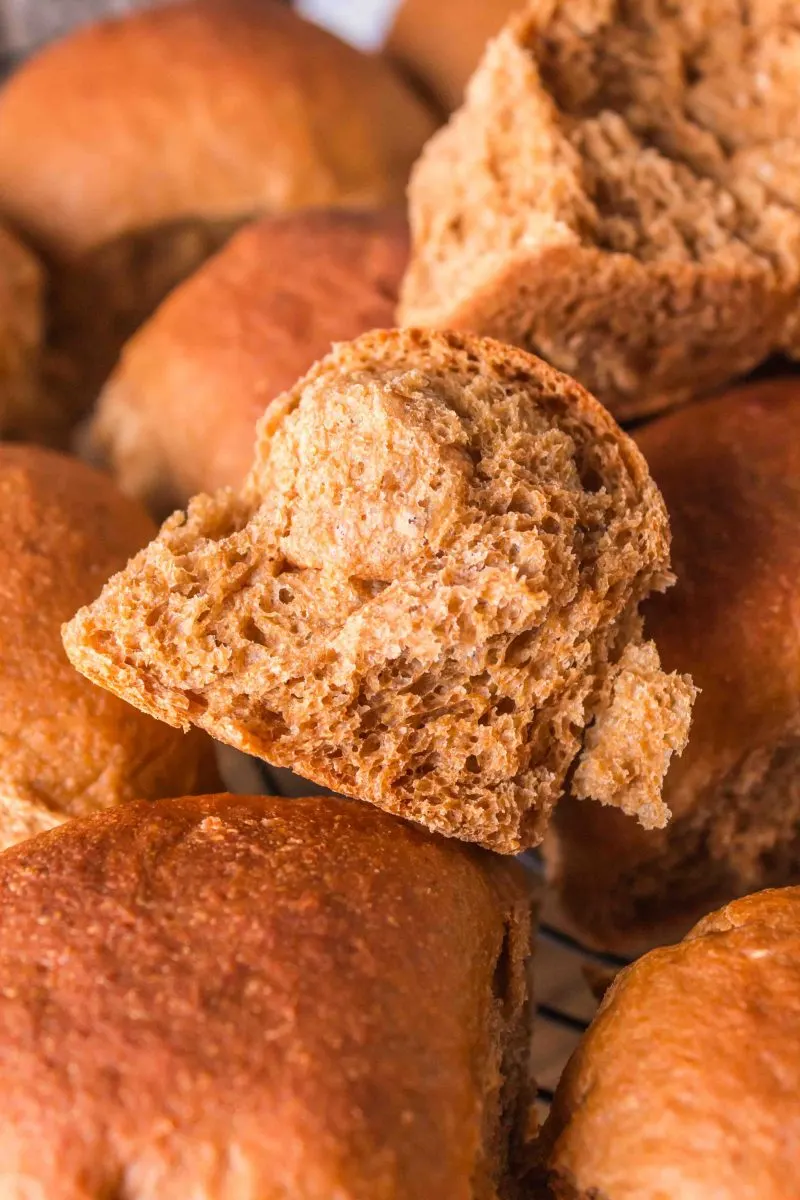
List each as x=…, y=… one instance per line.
x=22, y=410
x=131, y=148
x=211, y=109
x=179, y=414
x=425, y=593
x=687, y=1082
x=260, y=998
x=67, y=747
x=619, y=194
x=729, y=470
x=440, y=45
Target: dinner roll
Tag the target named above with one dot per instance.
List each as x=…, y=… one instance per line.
x=439, y=45
x=688, y=1081
x=131, y=149
x=426, y=595
x=178, y=415
x=67, y=747
x=729, y=469
x=23, y=409
x=225, y=997
x=621, y=194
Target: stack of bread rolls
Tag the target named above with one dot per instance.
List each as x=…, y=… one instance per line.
x=417, y=562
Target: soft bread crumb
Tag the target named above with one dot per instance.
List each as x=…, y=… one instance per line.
x=642, y=720
x=436, y=560
x=618, y=194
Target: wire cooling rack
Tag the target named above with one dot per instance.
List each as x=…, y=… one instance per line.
x=564, y=970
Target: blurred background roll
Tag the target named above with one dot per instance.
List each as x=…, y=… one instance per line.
x=132, y=149
x=67, y=747
x=178, y=415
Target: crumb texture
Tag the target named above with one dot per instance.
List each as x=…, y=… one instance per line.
x=419, y=595
x=618, y=194
x=701, y=1041
x=200, y=999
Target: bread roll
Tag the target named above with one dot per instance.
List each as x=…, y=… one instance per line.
x=130, y=150
x=425, y=593
x=620, y=194
x=240, y=997
x=687, y=1083
x=23, y=411
x=439, y=45
x=729, y=471
x=66, y=747
x=178, y=415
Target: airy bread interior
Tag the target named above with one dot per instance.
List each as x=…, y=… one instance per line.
x=618, y=194
x=424, y=596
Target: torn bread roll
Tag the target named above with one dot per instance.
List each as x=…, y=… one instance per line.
x=619, y=193
x=426, y=595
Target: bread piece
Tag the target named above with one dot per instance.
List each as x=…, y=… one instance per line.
x=22, y=411
x=424, y=595
x=439, y=45
x=261, y=998
x=132, y=149
x=730, y=473
x=618, y=194
x=687, y=1083
x=67, y=747
x=178, y=416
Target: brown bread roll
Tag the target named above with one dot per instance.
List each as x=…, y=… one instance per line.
x=688, y=1081
x=425, y=595
x=24, y=411
x=131, y=149
x=440, y=45
x=178, y=415
x=67, y=747
x=257, y=998
x=620, y=194
x=729, y=469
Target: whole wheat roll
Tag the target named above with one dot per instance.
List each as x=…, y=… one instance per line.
x=687, y=1081
x=425, y=594
x=179, y=413
x=67, y=748
x=256, y=997
x=132, y=148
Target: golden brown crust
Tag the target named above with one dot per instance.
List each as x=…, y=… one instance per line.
x=687, y=1082
x=212, y=109
x=615, y=195
x=259, y=997
x=439, y=45
x=23, y=411
x=131, y=149
x=179, y=414
x=420, y=595
x=729, y=471
x=66, y=747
